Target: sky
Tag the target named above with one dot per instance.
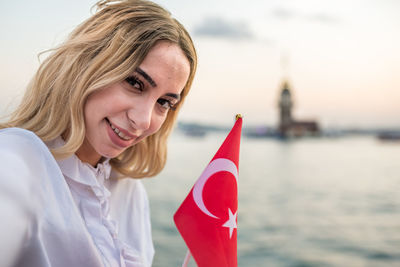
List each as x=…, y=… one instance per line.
x=340, y=57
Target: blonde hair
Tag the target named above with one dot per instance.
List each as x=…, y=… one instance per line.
x=104, y=49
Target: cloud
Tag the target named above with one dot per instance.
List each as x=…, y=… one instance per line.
x=283, y=13
x=287, y=14
x=322, y=18
x=217, y=27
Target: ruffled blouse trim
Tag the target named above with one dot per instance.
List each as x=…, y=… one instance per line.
x=87, y=183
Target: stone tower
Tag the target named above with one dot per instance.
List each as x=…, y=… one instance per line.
x=285, y=106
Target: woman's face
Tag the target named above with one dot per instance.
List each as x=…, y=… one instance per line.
x=122, y=114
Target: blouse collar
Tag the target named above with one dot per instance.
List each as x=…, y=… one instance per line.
x=82, y=172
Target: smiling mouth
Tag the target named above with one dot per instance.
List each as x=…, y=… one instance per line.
x=119, y=132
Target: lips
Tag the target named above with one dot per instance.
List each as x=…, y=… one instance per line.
x=119, y=136
x=119, y=132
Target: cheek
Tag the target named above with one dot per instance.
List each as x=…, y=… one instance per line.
x=94, y=106
x=89, y=112
x=93, y=116
x=156, y=124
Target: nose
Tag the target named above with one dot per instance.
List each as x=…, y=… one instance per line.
x=140, y=115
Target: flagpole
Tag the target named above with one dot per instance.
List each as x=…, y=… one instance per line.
x=186, y=260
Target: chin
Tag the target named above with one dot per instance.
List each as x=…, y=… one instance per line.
x=111, y=154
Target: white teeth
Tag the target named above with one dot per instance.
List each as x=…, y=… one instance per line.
x=119, y=133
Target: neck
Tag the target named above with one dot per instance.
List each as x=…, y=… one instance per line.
x=86, y=153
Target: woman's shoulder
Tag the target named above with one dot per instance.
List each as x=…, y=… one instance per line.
x=15, y=132
x=20, y=138
x=20, y=147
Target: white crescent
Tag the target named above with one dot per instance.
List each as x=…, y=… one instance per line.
x=217, y=165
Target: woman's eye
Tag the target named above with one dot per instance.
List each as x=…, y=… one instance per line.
x=135, y=83
x=165, y=104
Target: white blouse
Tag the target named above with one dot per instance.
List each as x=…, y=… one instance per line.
x=67, y=213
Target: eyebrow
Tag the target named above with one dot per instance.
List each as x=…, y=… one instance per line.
x=177, y=97
x=153, y=83
x=146, y=76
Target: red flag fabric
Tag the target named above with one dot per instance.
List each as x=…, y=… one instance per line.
x=207, y=218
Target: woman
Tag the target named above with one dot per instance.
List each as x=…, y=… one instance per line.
x=100, y=108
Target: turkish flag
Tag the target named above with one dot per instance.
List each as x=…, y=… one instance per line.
x=207, y=218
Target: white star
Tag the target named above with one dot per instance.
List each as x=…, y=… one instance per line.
x=231, y=223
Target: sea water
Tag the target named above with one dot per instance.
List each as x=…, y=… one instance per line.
x=303, y=202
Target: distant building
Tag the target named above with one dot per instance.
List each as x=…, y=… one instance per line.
x=288, y=126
